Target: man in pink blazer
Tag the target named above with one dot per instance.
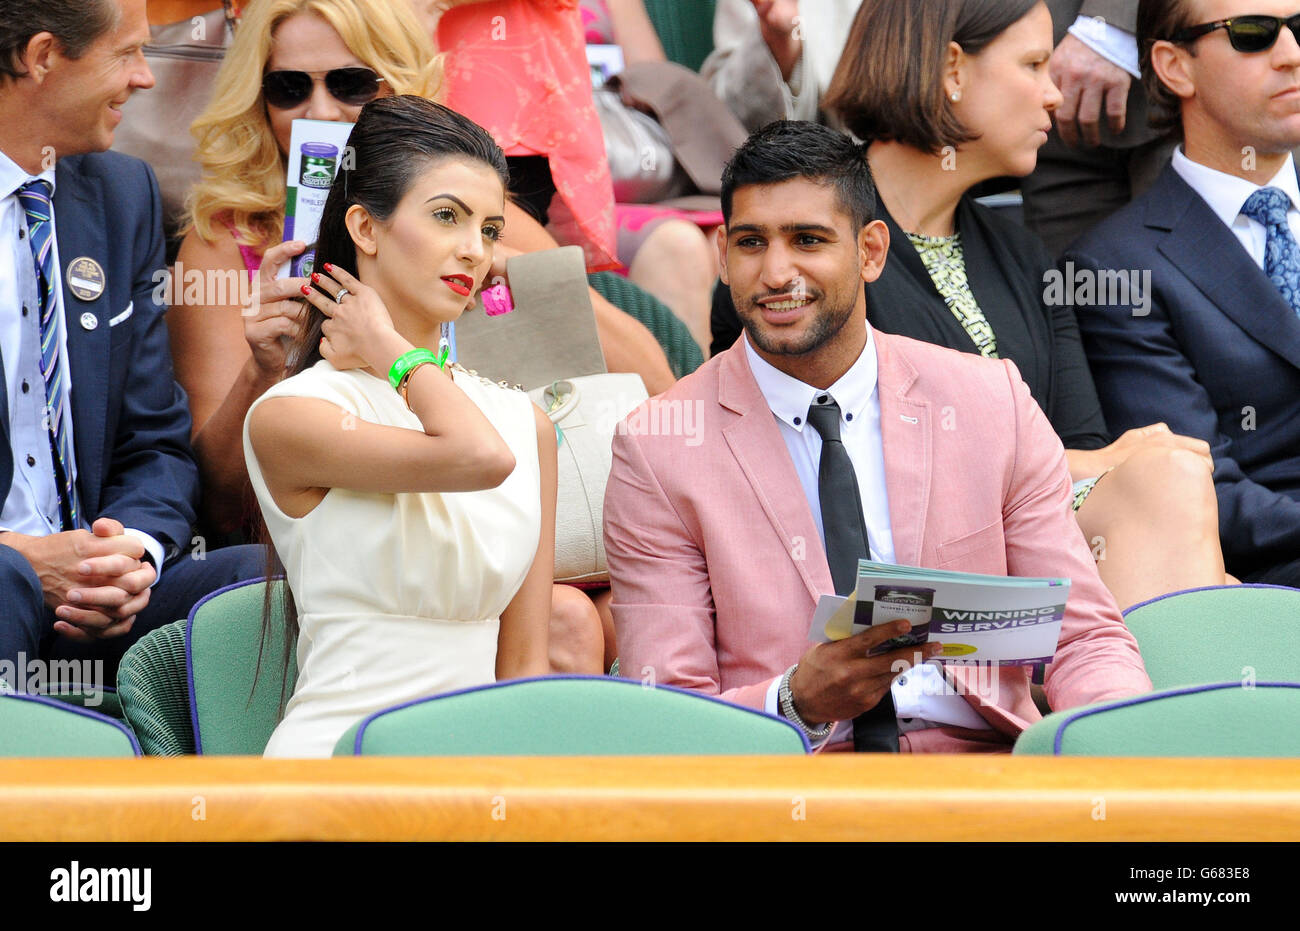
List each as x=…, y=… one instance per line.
x=713, y=520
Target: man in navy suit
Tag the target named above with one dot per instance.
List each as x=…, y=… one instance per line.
x=1212, y=346
x=98, y=486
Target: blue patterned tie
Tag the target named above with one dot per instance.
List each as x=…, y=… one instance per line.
x=35, y=198
x=1268, y=207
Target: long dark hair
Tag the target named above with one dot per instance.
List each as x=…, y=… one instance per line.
x=394, y=141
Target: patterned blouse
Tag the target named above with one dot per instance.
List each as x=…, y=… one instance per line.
x=943, y=259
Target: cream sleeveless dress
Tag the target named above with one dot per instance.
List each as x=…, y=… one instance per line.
x=398, y=596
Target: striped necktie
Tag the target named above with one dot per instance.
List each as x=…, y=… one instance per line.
x=35, y=198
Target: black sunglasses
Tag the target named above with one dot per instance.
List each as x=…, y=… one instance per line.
x=285, y=90
x=1246, y=33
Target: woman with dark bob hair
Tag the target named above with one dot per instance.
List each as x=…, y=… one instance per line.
x=412, y=503
x=947, y=94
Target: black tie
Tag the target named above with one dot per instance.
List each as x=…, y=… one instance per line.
x=875, y=730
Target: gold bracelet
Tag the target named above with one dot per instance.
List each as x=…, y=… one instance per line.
x=403, y=384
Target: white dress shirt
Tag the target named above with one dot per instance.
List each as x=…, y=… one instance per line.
x=922, y=697
x=32, y=504
x=1226, y=194
x=1117, y=46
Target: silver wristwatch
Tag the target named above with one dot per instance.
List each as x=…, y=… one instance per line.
x=785, y=702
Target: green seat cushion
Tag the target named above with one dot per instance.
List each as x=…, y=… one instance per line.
x=570, y=716
x=1218, y=719
x=37, y=726
x=225, y=654
x=1233, y=633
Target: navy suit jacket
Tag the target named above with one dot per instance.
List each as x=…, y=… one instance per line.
x=130, y=419
x=1217, y=357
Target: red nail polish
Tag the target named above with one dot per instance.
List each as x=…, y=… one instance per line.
x=328, y=267
x=315, y=278
x=306, y=291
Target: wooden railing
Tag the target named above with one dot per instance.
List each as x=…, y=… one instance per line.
x=840, y=797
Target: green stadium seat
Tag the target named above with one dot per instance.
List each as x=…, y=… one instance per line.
x=188, y=687
x=569, y=716
x=1228, y=633
x=1219, y=719
x=151, y=685
x=37, y=726
x=234, y=703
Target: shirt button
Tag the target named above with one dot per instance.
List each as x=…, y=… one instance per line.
x=24, y=310
x=26, y=387
x=797, y=421
x=902, y=680
x=22, y=233
x=848, y=416
x=31, y=460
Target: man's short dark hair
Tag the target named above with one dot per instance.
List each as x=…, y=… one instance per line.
x=790, y=149
x=1160, y=19
x=889, y=82
x=75, y=23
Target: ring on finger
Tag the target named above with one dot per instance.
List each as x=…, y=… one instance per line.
x=338, y=298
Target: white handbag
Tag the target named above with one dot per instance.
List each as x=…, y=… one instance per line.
x=586, y=410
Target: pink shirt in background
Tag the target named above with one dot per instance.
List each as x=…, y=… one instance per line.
x=518, y=68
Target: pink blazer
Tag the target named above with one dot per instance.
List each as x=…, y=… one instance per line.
x=716, y=564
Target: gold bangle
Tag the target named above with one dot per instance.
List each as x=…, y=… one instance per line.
x=406, y=378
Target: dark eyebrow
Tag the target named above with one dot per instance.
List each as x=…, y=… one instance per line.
x=783, y=228
x=462, y=205
x=454, y=199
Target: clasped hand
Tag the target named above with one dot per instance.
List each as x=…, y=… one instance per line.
x=94, y=581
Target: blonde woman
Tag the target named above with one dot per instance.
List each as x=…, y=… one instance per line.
x=324, y=60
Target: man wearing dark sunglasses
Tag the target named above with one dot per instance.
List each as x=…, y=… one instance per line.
x=1218, y=355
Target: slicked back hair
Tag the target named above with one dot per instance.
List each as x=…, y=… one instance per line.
x=790, y=149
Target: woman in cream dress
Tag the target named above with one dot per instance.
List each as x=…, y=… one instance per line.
x=416, y=529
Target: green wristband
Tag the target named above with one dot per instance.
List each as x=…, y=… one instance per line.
x=407, y=361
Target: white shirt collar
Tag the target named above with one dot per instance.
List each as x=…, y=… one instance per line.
x=1226, y=194
x=13, y=177
x=790, y=398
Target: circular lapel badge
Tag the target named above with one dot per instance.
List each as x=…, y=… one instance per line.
x=85, y=279
x=89, y=321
